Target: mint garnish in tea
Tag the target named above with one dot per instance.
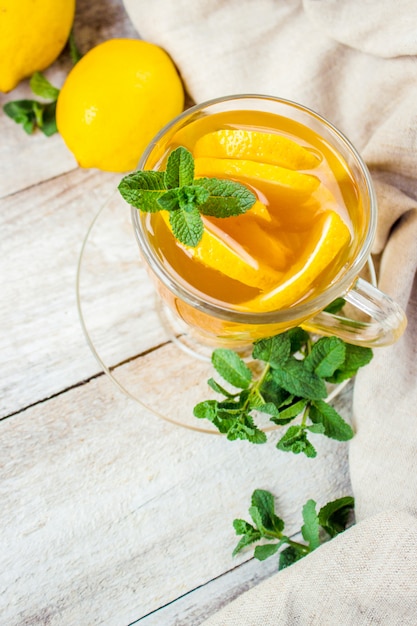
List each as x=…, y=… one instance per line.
x=184, y=197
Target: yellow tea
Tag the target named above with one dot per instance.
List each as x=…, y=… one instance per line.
x=297, y=237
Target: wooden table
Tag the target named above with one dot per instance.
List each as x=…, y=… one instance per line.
x=109, y=514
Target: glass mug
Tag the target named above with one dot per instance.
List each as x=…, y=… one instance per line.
x=197, y=307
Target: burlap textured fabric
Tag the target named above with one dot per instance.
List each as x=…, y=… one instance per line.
x=355, y=62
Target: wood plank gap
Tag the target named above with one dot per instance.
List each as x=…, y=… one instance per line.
x=38, y=184
x=85, y=381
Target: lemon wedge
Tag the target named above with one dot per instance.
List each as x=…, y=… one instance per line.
x=329, y=237
x=258, y=146
x=219, y=251
x=288, y=184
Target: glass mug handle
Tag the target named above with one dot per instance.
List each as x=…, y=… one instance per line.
x=388, y=320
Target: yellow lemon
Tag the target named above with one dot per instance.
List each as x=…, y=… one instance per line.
x=220, y=251
x=255, y=146
x=32, y=35
x=328, y=238
x=289, y=184
x=114, y=101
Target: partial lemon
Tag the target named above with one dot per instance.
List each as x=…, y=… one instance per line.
x=115, y=100
x=289, y=184
x=327, y=240
x=32, y=35
x=219, y=251
x=258, y=146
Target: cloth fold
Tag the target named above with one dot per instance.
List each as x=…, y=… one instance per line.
x=355, y=63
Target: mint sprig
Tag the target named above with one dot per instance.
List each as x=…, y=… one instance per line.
x=291, y=384
x=185, y=197
x=318, y=527
x=34, y=114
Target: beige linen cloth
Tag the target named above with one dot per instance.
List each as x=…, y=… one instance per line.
x=355, y=62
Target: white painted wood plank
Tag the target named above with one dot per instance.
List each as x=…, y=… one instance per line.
x=101, y=501
x=42, y=345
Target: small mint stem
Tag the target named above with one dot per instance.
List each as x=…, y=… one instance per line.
x=305, y=415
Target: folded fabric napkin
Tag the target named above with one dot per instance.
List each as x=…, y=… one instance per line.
x=355, y=63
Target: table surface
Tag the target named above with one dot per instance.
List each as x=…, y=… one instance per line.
x=109, y=514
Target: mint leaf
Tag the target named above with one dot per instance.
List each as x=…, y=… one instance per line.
x=292, y=410
x=231, y=367
x=310, y=529
x=334, y=516
x=250, y=534
x=31, y=114
x=143, y=189
x=226, y=197
x=298, y=338
x=42, y=87
x=206, y=410
x=169, y=201
x=334, y=425
x=218, y=388
x=326, y=355
x=75, y=54
x=335, y=306
x=299, y=380
x=263, y=512
x=289, y=556
x=295, y=440
x=180, y=168
x=264, y=552
x=191, y=196
x=355, y=357
x=187, y=226
x=273, y=350
x=243, y=427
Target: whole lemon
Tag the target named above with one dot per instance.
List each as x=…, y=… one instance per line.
x=32, y=35
x=114, y=100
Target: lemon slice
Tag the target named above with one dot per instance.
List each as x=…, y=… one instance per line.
x=328, y=238
x=252, y=145
x=288, y=184
x=219, y=251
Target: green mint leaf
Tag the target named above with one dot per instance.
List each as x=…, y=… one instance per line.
x=316, y=429
x=335, y=516
x=295, y=440
x=218, y=388
x=206, y=410
x=231, y=367
x=356, y=357
x=335, y=426
x=250, y=534
x=273, y=350
x=169, y=201
x=269, y=408
x=297, y=379
x=48, y=126
x=293, y=410
x=272, y=392
x=298, y=338
x=289, y=556
x=243, y=427
x=143, y=189
x=263, y=512
x=22, y=112
x=326, y=355
x=180, y=169
x=42, y=87
x=191, y=196
x=311, y=528
x=335, y=306
x=226, y=197
x=187, y=226
x=75, y=54
x=264, y=552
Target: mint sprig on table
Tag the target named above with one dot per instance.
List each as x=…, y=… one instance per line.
x=318, y=527
x=33, y=113
x=290, y=384
x=185, y=198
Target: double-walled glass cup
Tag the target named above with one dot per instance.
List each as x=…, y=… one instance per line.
x=380, y=320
